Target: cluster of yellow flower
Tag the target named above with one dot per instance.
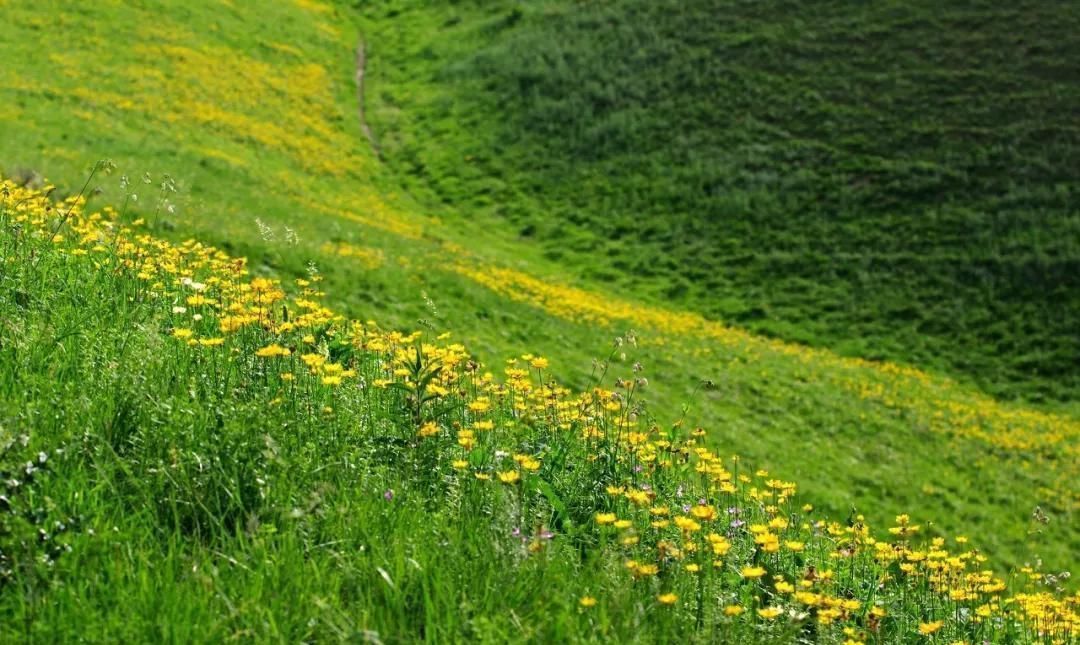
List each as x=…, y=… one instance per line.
x=933, y=401
x=686, y=522
x=367, y=257
x=288, y=107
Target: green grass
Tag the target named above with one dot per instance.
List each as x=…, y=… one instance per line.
x=292, y=157
x=174, y=507
x=156, y=488
x=894, y=181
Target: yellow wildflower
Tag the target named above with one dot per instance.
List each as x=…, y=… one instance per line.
x=688, y=525
x=271, y=351
x=927, y=629
x=704, y=513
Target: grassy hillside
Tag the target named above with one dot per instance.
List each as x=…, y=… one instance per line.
x=256, y=126
x=191, y=454
x=205, y=105
x=891, y=180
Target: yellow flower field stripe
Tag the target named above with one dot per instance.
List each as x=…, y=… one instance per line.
x=940, y=402
x=382, y=218
x=314, y=6
x=369, y=258
x=287, y=108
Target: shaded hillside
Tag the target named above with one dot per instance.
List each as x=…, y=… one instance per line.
x=891, y=180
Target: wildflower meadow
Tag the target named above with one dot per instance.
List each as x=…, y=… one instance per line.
x=288, y=355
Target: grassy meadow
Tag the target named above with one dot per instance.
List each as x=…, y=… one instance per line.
x=210, y=429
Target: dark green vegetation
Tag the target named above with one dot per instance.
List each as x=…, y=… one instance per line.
x=890, y=180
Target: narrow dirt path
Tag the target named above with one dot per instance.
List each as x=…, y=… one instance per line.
x=361, y=63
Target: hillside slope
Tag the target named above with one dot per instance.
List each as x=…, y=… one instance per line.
x=192, y=454
x=894, y=181
x=257, y=129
